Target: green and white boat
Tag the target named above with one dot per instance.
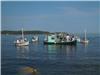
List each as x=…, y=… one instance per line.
x=62, y=39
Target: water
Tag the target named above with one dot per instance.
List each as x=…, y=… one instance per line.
x=50, y=59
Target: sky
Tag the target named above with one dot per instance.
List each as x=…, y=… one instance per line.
x=52, y=16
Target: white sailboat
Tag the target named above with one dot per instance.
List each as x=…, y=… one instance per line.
x=22, y=41
x=85, y=41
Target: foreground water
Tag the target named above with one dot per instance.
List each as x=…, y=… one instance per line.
x=49, y=59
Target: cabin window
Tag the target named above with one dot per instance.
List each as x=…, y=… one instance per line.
x=52, y=38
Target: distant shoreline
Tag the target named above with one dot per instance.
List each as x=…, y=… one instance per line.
x=25, y=32
x=6, y=32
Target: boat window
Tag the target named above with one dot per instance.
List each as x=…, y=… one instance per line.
x=52, y=38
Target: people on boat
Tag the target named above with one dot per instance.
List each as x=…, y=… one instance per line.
x=18, y=41
x=60, y=39
x=67, y=37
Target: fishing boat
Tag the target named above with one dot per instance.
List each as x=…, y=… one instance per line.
x=61, y=39
x=35, y=38
x=22, y=41
x=85, y=40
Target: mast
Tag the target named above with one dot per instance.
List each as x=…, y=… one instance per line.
x=22, y=34
x=85, y=34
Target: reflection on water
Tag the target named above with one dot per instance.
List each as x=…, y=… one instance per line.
x=85, y=46
x=35, y=43
x=60, y=51
x=23, y=52
x=27, y=71
x=71, y=51
x=81, y=59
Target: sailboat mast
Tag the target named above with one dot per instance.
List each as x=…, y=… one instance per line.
x=22, y=34
x=85, y=34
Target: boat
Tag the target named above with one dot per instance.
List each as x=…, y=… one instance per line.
x=85, y=40
x=62, y=39
x=35, y=38
x=22, y=41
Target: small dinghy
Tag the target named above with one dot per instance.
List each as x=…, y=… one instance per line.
x=35, y=38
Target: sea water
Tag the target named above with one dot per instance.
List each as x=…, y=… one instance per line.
x=40, y=59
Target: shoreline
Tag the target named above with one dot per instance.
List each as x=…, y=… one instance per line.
x=25, y=32
x=8, y=32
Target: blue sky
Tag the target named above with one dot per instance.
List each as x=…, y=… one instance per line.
x=66, y=16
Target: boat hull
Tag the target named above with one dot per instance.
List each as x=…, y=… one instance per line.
x=22, y=44
x=85, y=42
x=62, y=43
x=34, y=40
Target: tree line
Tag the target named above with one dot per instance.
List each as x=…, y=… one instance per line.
x=25, y=32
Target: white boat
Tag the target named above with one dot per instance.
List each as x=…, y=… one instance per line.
x=85, y=41
x=35, y=38
x=22, y=41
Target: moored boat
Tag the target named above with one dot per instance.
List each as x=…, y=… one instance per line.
x=35, y=38
x=85, y=40
x=62, y=39
x=22, y=41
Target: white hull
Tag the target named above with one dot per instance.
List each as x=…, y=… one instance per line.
x=34, y=40
x=85, y=41
x=25, y=43
x=22, y=42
